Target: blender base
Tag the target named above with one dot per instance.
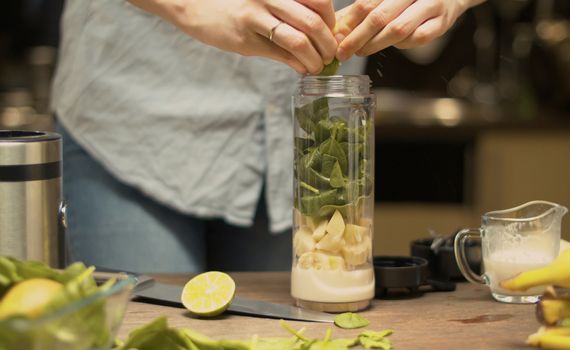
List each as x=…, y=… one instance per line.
x=333, y=307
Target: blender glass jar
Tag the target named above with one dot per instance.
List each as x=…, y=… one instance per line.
x=333, y=193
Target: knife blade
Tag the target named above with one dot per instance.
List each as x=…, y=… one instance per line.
x=167, y=293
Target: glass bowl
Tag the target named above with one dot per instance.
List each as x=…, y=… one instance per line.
x=89, y=323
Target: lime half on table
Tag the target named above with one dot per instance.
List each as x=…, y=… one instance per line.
x=208, y=294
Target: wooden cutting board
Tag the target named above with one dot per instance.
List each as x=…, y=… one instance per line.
x=465, y=319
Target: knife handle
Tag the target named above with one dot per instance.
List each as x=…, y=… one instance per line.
x=141, y=282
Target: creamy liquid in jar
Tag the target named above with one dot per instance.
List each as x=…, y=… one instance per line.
x=332, y=286
x=507, y=263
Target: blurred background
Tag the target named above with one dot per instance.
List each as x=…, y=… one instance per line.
x=477, y=120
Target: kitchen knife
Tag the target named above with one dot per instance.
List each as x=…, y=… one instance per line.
x=171, y=294
x=146, y=288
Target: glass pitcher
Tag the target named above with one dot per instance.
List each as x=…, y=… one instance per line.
x=513, y=240
x=333, y=193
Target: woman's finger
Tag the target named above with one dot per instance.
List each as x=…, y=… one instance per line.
x=341, y=28
x=311, y=24
x=376, y=20
x=289, y=39
x=351, y=16
x=425, y=33
x=402, y=27
x=265, y=48
x=324, y=8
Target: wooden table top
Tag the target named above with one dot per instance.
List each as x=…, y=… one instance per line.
x=468, y=317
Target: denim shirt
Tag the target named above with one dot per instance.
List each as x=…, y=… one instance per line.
x=196, y=128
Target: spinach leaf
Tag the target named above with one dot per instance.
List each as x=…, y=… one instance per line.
x=331, y=68
x=322, y=166
x=310, y=205
x=323, y=130
x=336, y=179
x=327, y=164
x=333, y=148
x=350, y=320
x=157, y=335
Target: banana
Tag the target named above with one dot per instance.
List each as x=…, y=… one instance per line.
x=303, y=241
x=298, y=218
x=319, y=231
x=557, y=273
x=336, y=224
x=551, y=338
x=354, y=234
x=550, y=311
x=312, y=222
x=357, y=254
x=321, y=261
x=331, y=243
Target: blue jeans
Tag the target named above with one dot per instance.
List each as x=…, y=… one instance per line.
x=113, y=225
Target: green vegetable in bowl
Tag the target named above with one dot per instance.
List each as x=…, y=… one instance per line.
x=74, y=316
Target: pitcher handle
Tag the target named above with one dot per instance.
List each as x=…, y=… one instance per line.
x=461, y=257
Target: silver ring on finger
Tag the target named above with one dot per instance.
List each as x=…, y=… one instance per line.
x=272, y=30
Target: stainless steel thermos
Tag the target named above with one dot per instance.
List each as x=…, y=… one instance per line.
x=32, y=212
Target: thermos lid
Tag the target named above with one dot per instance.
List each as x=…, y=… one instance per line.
x=29, y=147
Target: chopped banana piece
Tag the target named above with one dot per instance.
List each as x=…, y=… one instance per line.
x=298, y=218
x=336, y=224
x=303, y=241
x=354, y=234
x=312, y=222
x=364, y=221
x=319, y=231
x=331, y=243
x=357, y=254
x=321, y=261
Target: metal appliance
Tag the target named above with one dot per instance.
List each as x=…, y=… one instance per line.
x=32, y=212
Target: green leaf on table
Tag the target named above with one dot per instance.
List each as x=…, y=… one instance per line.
x=565, y=322
x=157, y=335
x=370, y=343
x=376, y=334
x=350, y=320
x=375, y=339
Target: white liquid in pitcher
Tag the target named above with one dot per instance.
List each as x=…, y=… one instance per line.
x=504, y=264
x=332, y=286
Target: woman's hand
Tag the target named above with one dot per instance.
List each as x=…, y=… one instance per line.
x=300, y=31
x=368, y=26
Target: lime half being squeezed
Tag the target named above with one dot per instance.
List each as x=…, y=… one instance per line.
x=208, y=294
